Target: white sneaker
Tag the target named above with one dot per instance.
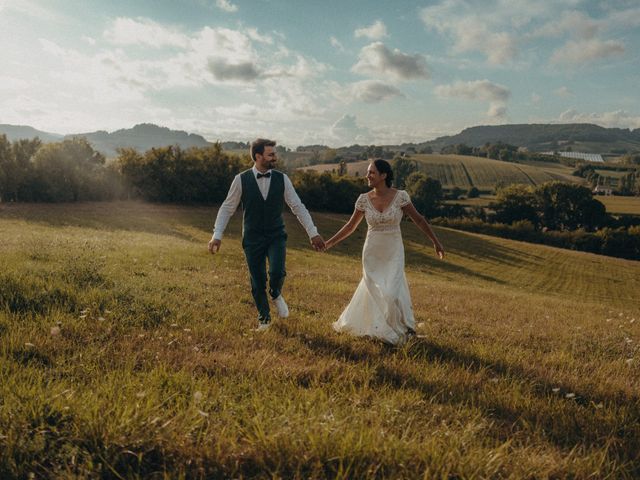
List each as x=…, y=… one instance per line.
x=263, y=327
x=281, y=305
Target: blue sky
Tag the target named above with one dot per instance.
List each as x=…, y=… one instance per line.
x=330, y=72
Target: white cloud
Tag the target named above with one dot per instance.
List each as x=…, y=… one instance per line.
x=483, y=90
x=377, y=59
x=497, y=111
x=142, y=31
x=535, y=98
x=563, y=91
x=335, y=43
x=578, y=52
x=347, y=131
x=256, y=36
x=472, y=31
x=629, y=17
x=572, y=23
x=12, y=83
x=373, y=91
x=244, y=110
x=376, y=31
x=226, y=6
x=615, y=119
x=475, y=90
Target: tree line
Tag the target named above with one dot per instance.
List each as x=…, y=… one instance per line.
x=72, y=171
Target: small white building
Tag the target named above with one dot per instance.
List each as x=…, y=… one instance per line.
x=602, y=190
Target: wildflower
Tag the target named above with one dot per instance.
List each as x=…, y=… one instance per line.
x=570, y=395
x=55, y=331
x=555, y=390
x=197, y=396
x=101, y=319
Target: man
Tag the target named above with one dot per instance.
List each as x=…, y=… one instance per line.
x=263, y=192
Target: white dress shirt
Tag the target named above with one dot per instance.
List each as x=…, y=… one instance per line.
x=234, y=197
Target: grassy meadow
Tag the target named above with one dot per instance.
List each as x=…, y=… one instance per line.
x=465, y=171
x=127, y=351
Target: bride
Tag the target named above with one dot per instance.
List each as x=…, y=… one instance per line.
x=381, y=305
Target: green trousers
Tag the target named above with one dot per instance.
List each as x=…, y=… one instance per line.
x=258, y=251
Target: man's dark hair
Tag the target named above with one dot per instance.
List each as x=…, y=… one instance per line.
x=257, y=146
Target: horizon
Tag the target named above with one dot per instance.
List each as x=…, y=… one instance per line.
x=63, y=135
x=233, y=70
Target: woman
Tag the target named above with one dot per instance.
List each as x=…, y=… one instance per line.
x=381, y=305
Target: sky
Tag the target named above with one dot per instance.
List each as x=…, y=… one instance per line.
x=318, y=72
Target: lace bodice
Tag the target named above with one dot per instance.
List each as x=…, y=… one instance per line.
x=389, y=220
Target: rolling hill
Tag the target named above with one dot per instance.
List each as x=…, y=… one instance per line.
x=542, y=137
x=141, y=137
x=466, y=171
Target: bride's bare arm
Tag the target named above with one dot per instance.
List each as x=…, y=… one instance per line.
x=347, y=230
x=423, y=225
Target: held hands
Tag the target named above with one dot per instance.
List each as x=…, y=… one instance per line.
x=214, y=245
x=318, y=244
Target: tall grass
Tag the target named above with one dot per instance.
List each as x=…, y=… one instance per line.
x=127, y=351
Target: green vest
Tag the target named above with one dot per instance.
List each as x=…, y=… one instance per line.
x=262, y=217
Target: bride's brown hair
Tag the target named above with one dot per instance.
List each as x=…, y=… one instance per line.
x=384, y=167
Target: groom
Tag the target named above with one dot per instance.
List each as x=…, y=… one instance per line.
x=263, y=192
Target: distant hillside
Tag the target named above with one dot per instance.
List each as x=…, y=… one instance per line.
x=540, y=137
x=142, y=137
x=17, y=132
x=466, y=171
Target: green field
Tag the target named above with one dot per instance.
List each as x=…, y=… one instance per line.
x=466, y=171
x=127, y=351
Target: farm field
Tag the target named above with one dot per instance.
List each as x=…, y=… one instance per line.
x=127, y=351
x=614, y=204
x=620, y=205
x=466, y=171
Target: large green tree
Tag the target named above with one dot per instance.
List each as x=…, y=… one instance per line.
x=425, y=193
x=515, y=203
x=567, y=206
x=403, y=167
x=69, y=171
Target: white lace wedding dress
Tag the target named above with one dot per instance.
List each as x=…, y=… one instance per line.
x=381, y=305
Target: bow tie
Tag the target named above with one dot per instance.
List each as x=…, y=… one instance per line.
x=266, y=175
